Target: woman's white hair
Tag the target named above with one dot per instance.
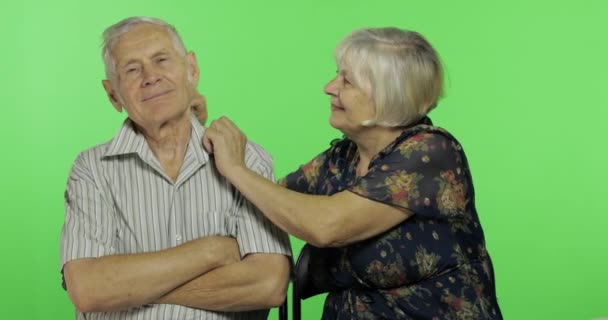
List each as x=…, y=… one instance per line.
x=113, y=33
x=399, y=69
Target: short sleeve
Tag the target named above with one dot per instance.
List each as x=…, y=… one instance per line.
x=255, y=233
x=306, y=179
x=424, y=173
x=89, y=229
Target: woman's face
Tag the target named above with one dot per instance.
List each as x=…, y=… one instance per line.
x=350, y=105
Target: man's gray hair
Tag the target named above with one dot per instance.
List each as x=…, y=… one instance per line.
x=113, y=33
x=398, y=69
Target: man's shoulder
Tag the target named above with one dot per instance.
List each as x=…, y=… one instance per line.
x=93, y=155
x=254, y=154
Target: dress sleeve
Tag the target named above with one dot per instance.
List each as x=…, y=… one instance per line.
x=307, y=178
x=255, y=233
x=424, y=173
x=89, y=229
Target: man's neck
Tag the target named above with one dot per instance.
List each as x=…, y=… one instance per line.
x=169, y=143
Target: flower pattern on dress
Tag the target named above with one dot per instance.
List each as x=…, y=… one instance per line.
x=434, y=265
x=451, y=198
x=427, y=262
x=403, y=186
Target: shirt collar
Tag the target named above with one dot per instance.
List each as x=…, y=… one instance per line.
x=196, y=140
x=129, y=140
x=407, y=132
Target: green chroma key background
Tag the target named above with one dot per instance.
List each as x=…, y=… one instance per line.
x=526, y=94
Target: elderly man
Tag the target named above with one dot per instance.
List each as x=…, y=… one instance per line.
x=152, y=231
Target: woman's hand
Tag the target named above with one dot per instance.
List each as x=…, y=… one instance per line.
x=198, y=103
x=227, y=143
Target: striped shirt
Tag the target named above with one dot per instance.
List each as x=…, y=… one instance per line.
x=119, y=201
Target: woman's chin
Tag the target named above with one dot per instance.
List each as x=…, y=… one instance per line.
x=335, y=123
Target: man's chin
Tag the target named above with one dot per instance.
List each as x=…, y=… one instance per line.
x=174, y=117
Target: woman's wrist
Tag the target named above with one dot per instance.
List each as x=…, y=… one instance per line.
x=237, y=175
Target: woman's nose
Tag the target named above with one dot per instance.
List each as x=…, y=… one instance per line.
x=331, y=88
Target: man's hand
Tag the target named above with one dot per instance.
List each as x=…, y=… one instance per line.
x=225, y=248
x=198, y=103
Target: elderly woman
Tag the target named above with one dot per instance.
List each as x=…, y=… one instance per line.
x=391, y=205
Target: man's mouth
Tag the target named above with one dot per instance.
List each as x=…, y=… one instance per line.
x=156, y=95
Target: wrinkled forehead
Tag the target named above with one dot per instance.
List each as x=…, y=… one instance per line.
x=141, y=39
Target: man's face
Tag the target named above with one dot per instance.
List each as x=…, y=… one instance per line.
x=151, y=77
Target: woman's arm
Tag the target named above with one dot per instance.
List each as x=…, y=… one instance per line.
x=324, y=221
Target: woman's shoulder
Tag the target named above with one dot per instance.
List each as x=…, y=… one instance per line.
x=428, y=131
x=425, y=134
x=422, y=138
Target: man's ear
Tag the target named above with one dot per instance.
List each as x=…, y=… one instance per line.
x=199, y=107
x=112, y=95
x=193, y=72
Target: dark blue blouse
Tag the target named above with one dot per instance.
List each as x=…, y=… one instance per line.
x=435, y=264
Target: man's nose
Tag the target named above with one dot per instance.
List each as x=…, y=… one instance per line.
x=151, y=76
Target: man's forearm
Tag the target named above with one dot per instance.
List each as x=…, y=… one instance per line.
x=120, y=282
x=257, y=282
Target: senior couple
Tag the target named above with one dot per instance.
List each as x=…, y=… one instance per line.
x=172, y=220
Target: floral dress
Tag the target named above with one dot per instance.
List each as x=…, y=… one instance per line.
x=434, y=265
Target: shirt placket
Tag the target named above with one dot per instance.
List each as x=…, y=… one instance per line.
x=176, y=218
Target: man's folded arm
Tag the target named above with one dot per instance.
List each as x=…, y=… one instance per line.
x=259, y=281
x=98, y=279
x=119, y=282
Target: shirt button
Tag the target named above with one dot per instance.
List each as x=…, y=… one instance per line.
x=178, y=238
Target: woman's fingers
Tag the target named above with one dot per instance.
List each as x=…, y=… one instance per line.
x=227, y=143
x=207, y=142
x=224, y=127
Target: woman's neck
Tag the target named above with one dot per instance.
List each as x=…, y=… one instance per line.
x=370, y=142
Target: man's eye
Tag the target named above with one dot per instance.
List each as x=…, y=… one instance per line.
x=132, y=70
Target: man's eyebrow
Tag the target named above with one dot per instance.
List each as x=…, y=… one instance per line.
x=133, y=60
x=160, y=53
x=128, y=62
